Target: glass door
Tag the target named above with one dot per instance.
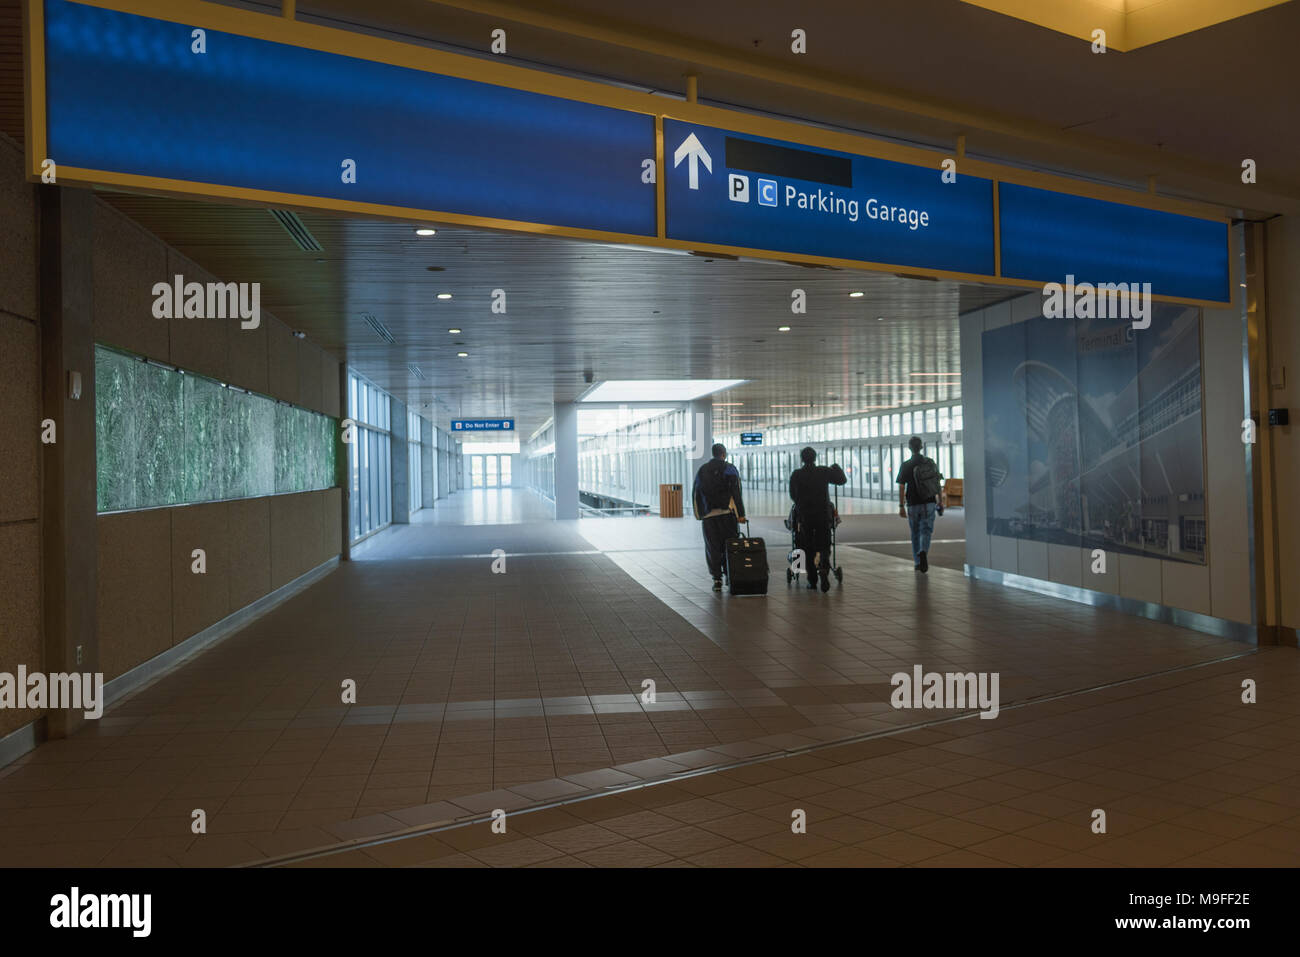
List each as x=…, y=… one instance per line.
x=476, y=471
x=490, y=469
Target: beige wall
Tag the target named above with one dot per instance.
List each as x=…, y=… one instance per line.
x=150, y=598
x=21, y=640
x=1221, y=587
x=1283, y=305
x=268, y=359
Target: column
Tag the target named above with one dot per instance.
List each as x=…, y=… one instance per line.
x=566, y=460
x=400, y=463
x=699, y=434
x=428, y=486
x=69, y=509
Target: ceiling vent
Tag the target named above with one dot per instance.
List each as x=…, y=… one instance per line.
x=299, y=233
x=379, y=328
x=415, y=370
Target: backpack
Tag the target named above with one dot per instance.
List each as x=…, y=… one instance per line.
x=926, y=478
x=714, y=488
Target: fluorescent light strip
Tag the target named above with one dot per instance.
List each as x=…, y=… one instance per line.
x=657, y=390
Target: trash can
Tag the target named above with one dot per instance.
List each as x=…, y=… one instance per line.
x=670, y=501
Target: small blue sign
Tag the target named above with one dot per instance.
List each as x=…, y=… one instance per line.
x=751, y=438
x=482, y=425
x=1047, y=236
x=817, y=202
x=127, y=94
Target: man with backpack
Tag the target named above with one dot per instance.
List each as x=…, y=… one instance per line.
x=919, y=483
x=716, y=491
x=812, y=502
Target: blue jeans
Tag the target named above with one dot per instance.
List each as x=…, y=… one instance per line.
x=921, y=519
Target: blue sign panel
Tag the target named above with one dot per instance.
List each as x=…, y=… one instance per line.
x=737, y=190
x=482, y=425
x=1047, y=236
x=128, y=94
x=751, y=438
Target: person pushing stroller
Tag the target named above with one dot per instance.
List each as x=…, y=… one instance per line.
x=814, y=518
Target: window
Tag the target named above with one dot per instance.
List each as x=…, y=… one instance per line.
x=932, y=420
x=369, y=458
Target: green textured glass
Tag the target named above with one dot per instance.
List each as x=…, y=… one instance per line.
x=208, y=459
x=167, y=438
x=158, y=420
x=114, y=435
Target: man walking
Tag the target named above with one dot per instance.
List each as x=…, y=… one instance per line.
x=812, y=505
x=718, y=505
x=919, y=482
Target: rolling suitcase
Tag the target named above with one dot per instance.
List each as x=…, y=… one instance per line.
x=747, y=565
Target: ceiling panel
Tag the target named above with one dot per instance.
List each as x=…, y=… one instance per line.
x=576, y=311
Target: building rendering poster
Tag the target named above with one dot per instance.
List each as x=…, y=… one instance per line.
x=1092, y=433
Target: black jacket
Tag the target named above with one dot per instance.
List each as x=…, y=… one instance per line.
x=717, y=485
x=809, y=491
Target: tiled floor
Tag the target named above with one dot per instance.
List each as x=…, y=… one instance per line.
x=1186, y=774
x=479, y=690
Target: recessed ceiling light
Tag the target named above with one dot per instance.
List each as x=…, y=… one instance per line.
x=856, y=295
x=783, y=329
x=880, y=318
x=454, y=332
x=425, y=231
x=462, y=354
x=444, y=295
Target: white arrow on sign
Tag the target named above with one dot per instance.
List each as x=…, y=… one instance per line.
x=698, y=154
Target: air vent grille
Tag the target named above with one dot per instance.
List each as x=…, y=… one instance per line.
x=416, y=371
x=299, y=233
x=379, y=328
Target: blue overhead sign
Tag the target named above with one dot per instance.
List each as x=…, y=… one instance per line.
x=751, y=438
x=1047, y=236
x=482, y=425
x=730, y=189
x=135, y=95
x=230, y=104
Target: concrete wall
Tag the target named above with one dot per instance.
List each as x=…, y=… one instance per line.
x=1221, y=587
x=21, y=632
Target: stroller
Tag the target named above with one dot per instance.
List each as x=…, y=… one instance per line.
x=792, y=523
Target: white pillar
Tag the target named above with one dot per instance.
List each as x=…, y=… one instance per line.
x=699, y=432
x=566, y=460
